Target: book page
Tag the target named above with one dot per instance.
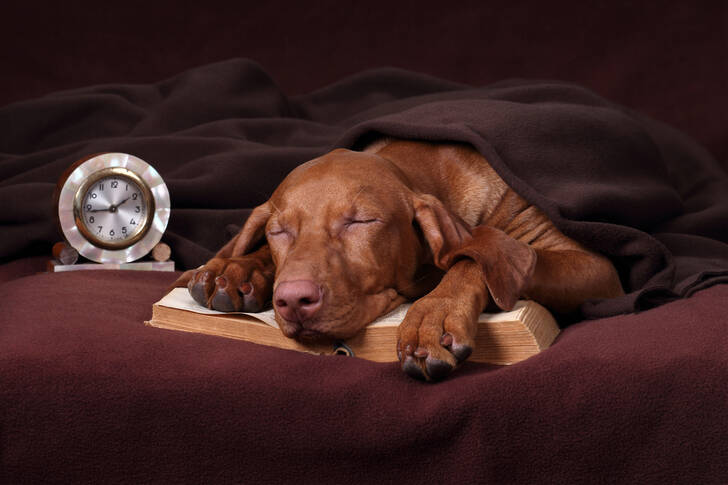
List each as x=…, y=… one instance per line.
x=180, y=298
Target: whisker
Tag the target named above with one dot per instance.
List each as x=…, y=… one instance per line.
x=278, y=211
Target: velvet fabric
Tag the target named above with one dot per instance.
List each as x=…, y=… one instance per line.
x=88, y=394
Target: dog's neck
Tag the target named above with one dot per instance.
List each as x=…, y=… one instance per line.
x=483, y=191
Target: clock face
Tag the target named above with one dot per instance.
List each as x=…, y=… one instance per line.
x=114, y=210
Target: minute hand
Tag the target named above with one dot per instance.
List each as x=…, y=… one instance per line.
x=112, y=207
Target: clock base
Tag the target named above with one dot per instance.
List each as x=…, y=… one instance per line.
x=57, y=267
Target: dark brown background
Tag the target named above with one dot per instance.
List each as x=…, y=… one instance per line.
x=666, y=58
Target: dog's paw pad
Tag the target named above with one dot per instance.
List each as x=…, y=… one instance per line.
x=437, y=369
x=222, y=302
x=199, y=286
x=461, y=352
x=413, y=369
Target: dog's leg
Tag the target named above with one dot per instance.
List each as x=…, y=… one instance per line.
x=233, y=282
x=439, y=329
x=564, y=279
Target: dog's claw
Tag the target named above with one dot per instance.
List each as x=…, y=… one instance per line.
x=446, y=340
x=250, y=301
x=459, y=351
x=421, y=353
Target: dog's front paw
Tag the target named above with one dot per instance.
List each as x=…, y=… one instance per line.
x=232, y=284
x=436, y=335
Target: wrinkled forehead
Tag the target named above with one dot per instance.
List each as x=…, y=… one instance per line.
x=328, y=195
x=338, y=182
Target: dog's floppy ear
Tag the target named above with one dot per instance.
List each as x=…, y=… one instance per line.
x=444, y=231
x=507, y=264
x=251, y=233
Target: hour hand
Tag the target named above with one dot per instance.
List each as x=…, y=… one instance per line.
x=100, y=210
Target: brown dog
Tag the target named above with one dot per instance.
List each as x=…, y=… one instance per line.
x=349, y=236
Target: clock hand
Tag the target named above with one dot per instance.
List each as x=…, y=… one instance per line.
x=112, y=207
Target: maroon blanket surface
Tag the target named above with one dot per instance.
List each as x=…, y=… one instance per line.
x=90, y=395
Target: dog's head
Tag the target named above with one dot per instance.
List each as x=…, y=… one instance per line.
x=349, y=240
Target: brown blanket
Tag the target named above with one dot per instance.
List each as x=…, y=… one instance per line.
x=223, y=135
x=90, y=395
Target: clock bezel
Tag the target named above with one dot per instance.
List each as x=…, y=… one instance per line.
x=85, y=171
x=119, y=172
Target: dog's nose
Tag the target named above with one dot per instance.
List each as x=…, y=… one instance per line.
x=297, y=300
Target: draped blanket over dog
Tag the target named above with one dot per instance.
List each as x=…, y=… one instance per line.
x=223, y=136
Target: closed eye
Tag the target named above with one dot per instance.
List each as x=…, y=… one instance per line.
x=352, y=222
x=277, y=231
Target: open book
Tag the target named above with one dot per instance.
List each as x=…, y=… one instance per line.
x=503, y=338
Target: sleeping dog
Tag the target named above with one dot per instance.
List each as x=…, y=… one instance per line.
x=347, y=237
